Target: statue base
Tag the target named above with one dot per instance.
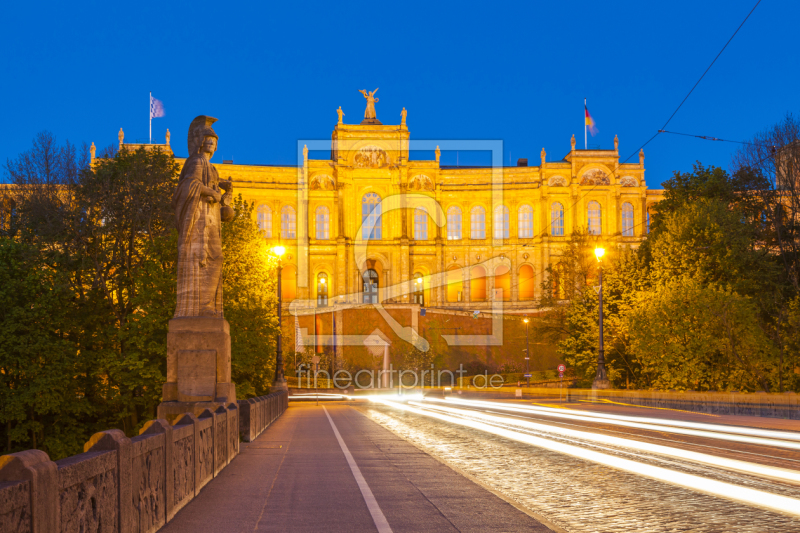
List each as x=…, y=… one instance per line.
x=601, y=384
x=373, y=121
x=198, y=366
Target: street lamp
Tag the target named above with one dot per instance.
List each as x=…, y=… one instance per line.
x=600, y=379
x=279, y=382
x=527, y=353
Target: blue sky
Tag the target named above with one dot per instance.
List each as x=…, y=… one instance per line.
x=274, y=73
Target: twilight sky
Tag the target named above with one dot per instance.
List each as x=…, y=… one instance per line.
x=275, y=72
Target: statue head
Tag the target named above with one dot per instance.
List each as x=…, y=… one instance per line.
x=202, y=136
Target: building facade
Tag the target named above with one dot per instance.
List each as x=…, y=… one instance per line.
x=369, y=225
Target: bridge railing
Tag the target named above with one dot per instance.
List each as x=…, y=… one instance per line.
x=129, y=485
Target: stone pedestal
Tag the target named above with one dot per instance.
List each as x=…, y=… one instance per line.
x=198, y=367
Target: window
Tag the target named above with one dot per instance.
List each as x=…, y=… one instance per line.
x=421, y=224
x=527, y=282
x=501, y=222
x=594, y=218
x=288, y=222
x=370, y=291
x=455, y=285
x=648, y=220
x=371, y=217
x=627, y=219
x=288, y=283
x=418, y=294
x=323, y=223
x=454, y=223
x=477, y=284
x=477, y=223
x=557, y=220
x=502, y=283
x=525, y=220
x=322, y=289
x=264, y=219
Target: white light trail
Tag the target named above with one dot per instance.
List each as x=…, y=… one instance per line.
x=774, y=502
x=729, y=433
x=782, y=474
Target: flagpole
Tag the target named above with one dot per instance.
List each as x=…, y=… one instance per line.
x=150, y=112
x=585, y=139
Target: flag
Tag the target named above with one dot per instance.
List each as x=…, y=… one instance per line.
x=590, y=122
x=156, y=107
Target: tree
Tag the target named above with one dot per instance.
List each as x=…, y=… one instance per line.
x=250, y=301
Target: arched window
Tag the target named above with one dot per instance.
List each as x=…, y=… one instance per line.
x=323, y=223
x=527, y=282
x=477, y=284
x=371, y=217
x=264, y=219
x=525, y=222
x=477, y=223
x=595, y=219
x=322, y=289
x=421, y=224
x=557, y=219
x=288, y=222
x=454, y=285
x=501, y=222
x=454, y=223
x=627, y=219
x=418, y=290
x=370, y=290
x=502, y=283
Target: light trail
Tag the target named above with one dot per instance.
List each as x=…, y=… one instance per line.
x=767, y=500
x=729, y=433
x=781, y=474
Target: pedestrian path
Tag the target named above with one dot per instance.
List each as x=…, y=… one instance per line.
x=329, y=468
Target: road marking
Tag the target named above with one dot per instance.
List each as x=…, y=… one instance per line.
x=369, y=499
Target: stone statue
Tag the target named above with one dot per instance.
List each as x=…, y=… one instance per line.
x=197, y=203
x=341, y=114
x=121, y=137
x=167, y=136
x=616, y=143
x=369, y=113
x=572, y=141
x=403, y=115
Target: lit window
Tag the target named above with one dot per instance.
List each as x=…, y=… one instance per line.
x=371, y=216
x=323, y=223
x=627, y=219
x=418, y=294
x=525, y=220
x=557, y=219
x=322, y=289
x=420, y=224
x=288, y=222
x=477, y=223
x=264, y=219
x=501, y=222
x=594, y=218
x=454, y=223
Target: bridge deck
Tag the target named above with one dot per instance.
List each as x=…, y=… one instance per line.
x=296, y=477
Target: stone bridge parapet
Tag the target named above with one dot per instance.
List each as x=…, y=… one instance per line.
x=129, y=484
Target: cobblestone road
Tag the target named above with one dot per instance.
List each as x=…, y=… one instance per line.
x=582, y=496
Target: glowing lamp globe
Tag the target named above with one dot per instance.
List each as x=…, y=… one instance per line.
x=279, y=250
x=599, y=253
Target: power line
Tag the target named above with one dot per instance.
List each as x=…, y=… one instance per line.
x=709, y=138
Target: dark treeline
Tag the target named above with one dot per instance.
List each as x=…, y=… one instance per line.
x=87, y=287
x=710, y=300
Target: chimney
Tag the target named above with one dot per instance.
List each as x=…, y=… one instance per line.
x=522, y=162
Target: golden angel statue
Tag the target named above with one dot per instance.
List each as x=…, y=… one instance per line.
x=371, y=100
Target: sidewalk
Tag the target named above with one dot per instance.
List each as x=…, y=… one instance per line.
x=296, y=477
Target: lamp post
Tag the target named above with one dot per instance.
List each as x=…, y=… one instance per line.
x=600, y=379
x=279, y=383
x=527, y=353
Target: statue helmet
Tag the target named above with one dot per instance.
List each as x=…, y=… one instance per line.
x=199, y=129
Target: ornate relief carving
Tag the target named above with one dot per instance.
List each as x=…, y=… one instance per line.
x=148, y=489
x=557, y=181
x=221, y=440
x=628, y=181
x=595, y=177
x=206, y=453
x=16, y=516
x=90, y=505
x=183, y=463
x=322, y=182
x=421, y=182
x=371, y=157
